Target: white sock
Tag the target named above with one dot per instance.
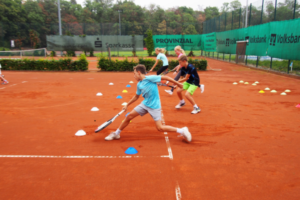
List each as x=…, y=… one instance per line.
x=180, y=131
x=202, y=88
x=118, y=131
x=195, y=106
x=182, y=101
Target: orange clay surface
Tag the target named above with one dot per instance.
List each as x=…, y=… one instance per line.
x=245, y=144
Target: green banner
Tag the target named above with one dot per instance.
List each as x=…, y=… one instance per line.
x=285, y=39
x=94, y=43
x=210, y=42
x=187, y=42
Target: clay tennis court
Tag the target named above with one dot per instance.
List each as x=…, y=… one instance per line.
x=245, y=144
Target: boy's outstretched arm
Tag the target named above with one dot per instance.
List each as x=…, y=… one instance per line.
x=171, y=80
x=136, y=97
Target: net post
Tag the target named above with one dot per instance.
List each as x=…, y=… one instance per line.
x=288, y=69
x=271, y=63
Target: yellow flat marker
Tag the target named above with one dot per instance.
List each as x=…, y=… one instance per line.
x=246, y=83
x=261, y=92
x=124, y=91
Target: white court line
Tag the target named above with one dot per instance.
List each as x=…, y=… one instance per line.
x=13, y=85
x=2, y=88
x=177, y=192
x=51, y=156
x=24, y=82
x=166, y=137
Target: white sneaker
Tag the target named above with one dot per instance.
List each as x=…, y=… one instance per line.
x=169, y=92
x=202, y=88
x=196, y=110
x=112, y=136
x=180, y=105
x=186, y=134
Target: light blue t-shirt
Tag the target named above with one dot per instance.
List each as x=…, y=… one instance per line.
x=164, y=59
x=149, y=91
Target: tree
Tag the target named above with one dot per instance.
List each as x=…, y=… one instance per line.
x=211, y=12
x=162, y=28
x=225, y=7
x=236, y=4
x=149, y=42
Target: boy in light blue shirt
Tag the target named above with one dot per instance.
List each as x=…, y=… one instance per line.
x=147, y=87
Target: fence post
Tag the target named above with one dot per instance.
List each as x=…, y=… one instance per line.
x=219, y=23
x=275, y=10
x=223, y=56
x=257, y=61
x=213, y=54
x=262, y=10
x=246, y=59
x=295, y=4
x=250, y=14
x=225, y=21
x=288, y=71
x=229, y=57
x=232, y=20
x=240, y=18
x=271, y=63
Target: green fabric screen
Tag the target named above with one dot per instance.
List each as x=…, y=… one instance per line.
x=279, y=39
x=95, y=43
x=209, y=42
x=187, y=42
x=226, y=41
x=285, y=39
x=258, y=37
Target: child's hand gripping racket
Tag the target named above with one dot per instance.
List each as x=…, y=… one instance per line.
x=105, y=124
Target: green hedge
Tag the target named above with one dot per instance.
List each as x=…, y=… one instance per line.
x=45, y=65
x=124, y=65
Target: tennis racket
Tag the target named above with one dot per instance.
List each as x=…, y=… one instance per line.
x=3, y=78
x=105, y=124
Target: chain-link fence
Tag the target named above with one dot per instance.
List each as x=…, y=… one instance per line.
x=259, y=12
